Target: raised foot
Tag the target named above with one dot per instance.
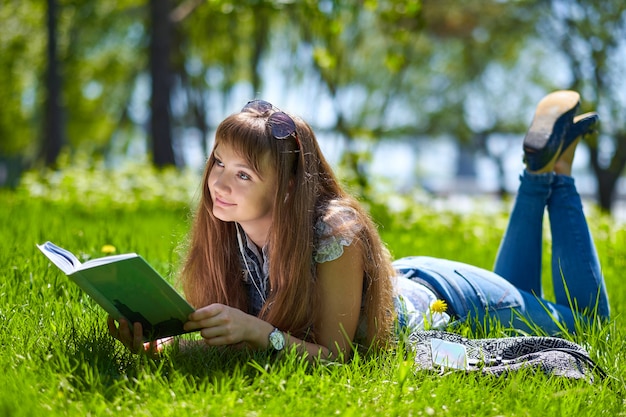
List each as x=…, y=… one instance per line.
x=544, y=140
x=584, y=125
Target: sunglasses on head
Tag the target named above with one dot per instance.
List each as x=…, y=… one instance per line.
x=282, y=126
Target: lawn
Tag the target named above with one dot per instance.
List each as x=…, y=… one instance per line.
x=57, y=357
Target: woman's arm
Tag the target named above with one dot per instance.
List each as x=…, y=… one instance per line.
x=340, y=285
x=340, y=289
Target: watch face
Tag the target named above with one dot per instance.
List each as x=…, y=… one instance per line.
x=277, y=340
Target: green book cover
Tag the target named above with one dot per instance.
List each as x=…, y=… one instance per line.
x=126, y=286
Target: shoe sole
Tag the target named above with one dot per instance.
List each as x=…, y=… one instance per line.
x=550, y=109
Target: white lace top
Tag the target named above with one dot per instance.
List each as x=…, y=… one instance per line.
x=329, y=246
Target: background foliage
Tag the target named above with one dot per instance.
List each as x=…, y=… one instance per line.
x=364, y=70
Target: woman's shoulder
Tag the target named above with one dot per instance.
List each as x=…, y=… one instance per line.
x=338, y=213
x=336, y=227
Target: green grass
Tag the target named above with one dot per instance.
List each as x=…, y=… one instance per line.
x=57, y=358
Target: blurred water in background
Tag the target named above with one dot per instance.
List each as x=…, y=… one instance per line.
x=432, y=165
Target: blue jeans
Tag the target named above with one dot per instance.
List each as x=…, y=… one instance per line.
x=513, y=293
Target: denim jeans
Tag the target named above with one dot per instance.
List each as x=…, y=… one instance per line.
x=513, y=293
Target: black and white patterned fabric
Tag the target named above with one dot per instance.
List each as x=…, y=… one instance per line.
x=499, y=356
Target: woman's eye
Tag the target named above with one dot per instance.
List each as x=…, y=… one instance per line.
x=244, y=176
x=219, y=163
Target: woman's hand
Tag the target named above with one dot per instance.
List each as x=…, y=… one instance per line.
x=133, y=338
x=340, y=285
x=223, y=325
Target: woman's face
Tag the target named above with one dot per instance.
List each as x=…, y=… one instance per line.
x=239, y=193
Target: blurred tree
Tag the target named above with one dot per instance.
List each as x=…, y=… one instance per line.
x=22, y=57
x=220, y=44
x=389, y=68
x=53, y=132
x=160, y=62
x=592, y=37
x=101, y=46
x=509, y=55
x=360, y=51
x=477, y=55
x=421, y=68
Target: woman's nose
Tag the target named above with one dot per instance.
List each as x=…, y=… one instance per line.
x=220, y=184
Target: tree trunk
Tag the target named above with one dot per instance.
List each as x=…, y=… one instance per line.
x=53, y=137
x=607, y=177
x=606, y=189
x=160, y=119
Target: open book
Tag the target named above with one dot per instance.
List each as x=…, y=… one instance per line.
x=126, y=286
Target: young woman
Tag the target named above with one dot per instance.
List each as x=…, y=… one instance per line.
x=280, y=255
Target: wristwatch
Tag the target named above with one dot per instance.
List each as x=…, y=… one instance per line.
x=277, y=339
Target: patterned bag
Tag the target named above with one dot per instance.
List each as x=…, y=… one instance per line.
x=438, y=350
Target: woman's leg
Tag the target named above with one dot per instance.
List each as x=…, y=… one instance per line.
x=519, y=255
x=480, y=295
x=576, y=273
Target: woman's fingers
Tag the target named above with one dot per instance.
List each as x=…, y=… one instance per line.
x=212, y=332
x=124, y=334
x=220, y=324
x=204, y=317
x=132, y=338
x=137, y=337
x=206, y=312
x=112, y=327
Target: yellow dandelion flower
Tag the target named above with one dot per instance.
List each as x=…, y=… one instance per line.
x=108, y=249
x=438, y=306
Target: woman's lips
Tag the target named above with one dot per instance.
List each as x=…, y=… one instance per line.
x=222, y=203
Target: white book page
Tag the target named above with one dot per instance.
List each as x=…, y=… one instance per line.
x=106, y=260
x=67, y=262
x=63, y=259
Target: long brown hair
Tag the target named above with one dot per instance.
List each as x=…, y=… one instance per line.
x=307, y=186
